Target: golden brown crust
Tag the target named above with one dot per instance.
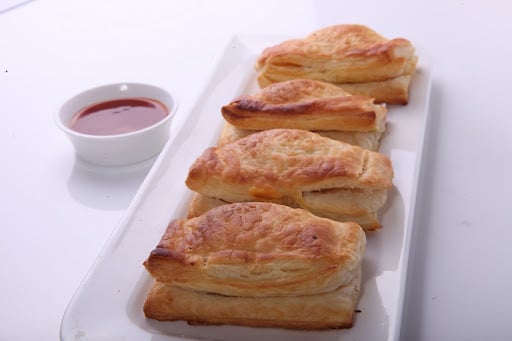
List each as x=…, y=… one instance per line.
x=335, y=309
x=290, y=159
x=258, y=249
x=366, y=140
x=305, y=104
x=257, y=264
x=344, y=54
x=357, y=206
x=281, y=165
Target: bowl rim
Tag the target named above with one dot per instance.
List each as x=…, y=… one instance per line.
x=64, y=127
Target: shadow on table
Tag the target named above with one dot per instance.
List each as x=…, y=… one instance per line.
x=106, y=188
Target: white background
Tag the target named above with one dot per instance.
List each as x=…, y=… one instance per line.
x=57, y=212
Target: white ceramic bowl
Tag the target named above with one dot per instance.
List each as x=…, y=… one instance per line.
x=121, y=149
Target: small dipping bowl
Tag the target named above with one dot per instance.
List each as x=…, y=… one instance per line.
x=121, y=148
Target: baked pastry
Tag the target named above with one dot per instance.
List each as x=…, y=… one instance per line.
x=310, y=105
x=201, y=203
x=297, y=168
x=353, y=57
x=367, y=140
x=167, y=302
x=258, y=264
x=258, y=249
x=305, y=104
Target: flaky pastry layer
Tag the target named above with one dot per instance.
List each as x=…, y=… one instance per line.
x=282, y=165
x=366, y=140
x=258, y=249
x=305, y=104
x=334, y=309
x=344, y=55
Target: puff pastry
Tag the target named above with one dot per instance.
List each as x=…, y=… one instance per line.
x=353, y=57
x=367, y=140
x=305, y=104
x=297, y=168
x=258, y=264
x=166, y=302
x=310, y=105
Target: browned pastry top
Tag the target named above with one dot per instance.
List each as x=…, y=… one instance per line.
x=285, y=162
x=356, y=53
x=305, y=104
x=258, y=249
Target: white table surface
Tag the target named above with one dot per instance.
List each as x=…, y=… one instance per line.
x=58, y=212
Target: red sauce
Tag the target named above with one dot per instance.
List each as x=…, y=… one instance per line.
x=118, y=116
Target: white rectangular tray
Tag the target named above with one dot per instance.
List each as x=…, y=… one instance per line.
x=108, y=304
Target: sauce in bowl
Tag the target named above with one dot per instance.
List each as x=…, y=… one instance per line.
x=118, y=116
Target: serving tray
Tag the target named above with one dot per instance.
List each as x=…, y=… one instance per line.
x=108, y=303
